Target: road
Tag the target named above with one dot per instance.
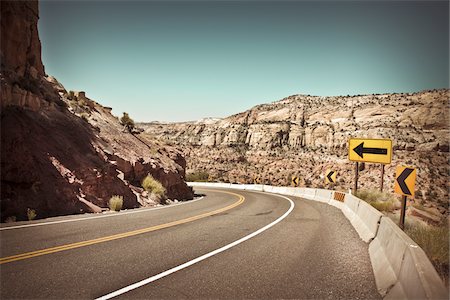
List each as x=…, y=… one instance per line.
x=229, y=244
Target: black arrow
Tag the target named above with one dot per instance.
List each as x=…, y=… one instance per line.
x=295, y=180
x=329, y=176
x=360, y=150
x=401, y=180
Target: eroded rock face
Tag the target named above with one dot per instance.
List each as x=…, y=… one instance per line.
x=304, y=135
x=21, y=47
x=60, y=156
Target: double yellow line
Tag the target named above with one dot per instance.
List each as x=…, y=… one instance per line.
x=26, y=255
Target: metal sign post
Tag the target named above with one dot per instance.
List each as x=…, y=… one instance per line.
x=402, y=214
x=356, y=177
x=382, y=177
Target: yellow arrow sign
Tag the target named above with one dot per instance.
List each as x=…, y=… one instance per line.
x=405, y=181
x=295, y=180
x=257, y=180
x=370, y=150
x=330, y=176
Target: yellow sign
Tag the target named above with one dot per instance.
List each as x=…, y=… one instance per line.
x=295, y=180
x=405, y=181
x=330, y=176
x=370, y=150
x=257, y=180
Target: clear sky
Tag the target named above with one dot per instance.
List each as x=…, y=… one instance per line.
x=185, y=60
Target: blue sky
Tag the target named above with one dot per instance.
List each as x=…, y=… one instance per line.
x=185, y=60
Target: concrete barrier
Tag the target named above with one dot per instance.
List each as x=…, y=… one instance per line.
x=273, y=189
x=367, y=221
x=310, y=193
x=254, y=187
x=402, y=270
x=323, y=195
x=350, y=207
x=299, y=192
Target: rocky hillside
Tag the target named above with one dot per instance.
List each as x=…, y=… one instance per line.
x=62, y=154
x=304, y=135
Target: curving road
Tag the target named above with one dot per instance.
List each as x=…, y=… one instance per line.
x=229, y=244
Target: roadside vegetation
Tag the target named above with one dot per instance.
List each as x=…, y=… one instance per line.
x=384, y=202
x=31, y=214
x=115, y=203
x=153, y=186
x=199, y=176
x=127, y=122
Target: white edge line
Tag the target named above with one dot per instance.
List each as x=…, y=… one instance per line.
x=198, y=259
x=102, y=216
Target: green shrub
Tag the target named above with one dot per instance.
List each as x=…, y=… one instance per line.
x=115, y=203
x=197, y=176
x=127, y=122
x=152, y=185
x=70, y=95
x=31, y=213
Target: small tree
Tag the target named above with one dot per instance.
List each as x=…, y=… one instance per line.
x=127, y=122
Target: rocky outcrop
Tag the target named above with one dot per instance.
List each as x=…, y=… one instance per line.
x=304, y=135
x=21, y=48
x=64, y=156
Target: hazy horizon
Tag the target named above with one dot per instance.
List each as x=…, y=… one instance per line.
x=183, y=61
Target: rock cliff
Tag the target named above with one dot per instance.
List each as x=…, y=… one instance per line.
x=65, y=155
x=304, y=135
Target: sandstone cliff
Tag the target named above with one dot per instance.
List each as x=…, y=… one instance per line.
x=304, y=135
x=60, y=156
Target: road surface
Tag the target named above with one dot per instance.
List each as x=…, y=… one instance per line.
x=229, y=244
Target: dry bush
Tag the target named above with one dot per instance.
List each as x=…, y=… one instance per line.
x=152, y=185
x=380, y=200
x=116, y=203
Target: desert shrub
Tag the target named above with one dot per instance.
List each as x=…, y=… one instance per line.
x=197, y=176
x=85, y=116
x=380, y=200
x=387, y=206
x=10, y=219
x=70, y=95
x=116, y=203
x=31, y=214
x=127, y=122
x=152, y=185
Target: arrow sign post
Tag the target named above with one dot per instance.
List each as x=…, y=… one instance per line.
x=295, y=180
x=369, y=150
x=405, y=181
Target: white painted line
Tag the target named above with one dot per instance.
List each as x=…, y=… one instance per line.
x=98, y=217
x=198, y=259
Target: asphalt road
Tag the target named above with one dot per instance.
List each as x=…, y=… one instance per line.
x=313, y=252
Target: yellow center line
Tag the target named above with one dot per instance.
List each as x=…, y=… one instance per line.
x=31, y=254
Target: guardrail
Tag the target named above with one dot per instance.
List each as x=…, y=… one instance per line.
x=401, y=268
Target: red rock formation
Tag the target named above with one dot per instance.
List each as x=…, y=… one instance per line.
x=52, y=160
x=21, y=47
